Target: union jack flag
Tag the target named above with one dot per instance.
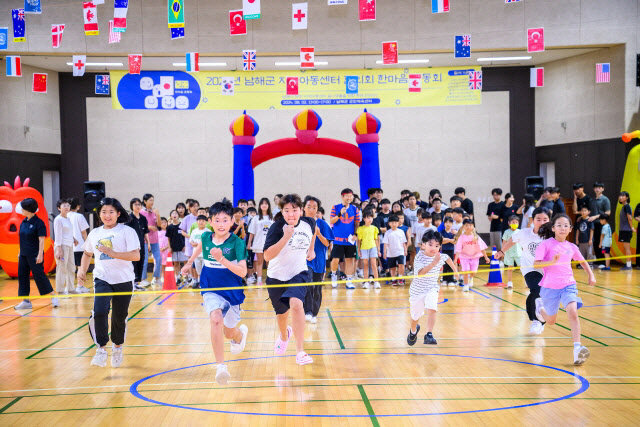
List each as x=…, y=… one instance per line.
x=466, y=40
x=249, y=60
x=21, y=14
x=475, y=80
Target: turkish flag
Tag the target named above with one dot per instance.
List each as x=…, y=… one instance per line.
x=237, y=24
x=40, y=82
x=135, y=61
x=367, y=10
x=292, y=85
x=389, y=52
x=535, y=40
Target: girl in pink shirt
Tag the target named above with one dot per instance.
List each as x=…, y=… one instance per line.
x=469, y=248
x=163, y=242
x=554, y=256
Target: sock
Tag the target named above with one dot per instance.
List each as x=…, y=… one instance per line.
x=349, y=278
x=577, y=344
x=629, y=264
x=413, y=332
x=334, y=273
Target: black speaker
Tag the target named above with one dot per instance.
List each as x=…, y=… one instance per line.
x=93, y=192
x=534, y=185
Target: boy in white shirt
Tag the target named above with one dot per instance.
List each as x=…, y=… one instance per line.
x=457, y=219
x=63, y=249
x=395, y=248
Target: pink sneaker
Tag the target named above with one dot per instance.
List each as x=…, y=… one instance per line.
x=303, y=358
x=281, y=346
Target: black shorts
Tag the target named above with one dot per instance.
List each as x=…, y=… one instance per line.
x=606, y=250
x=533, y=279
x=249, y=259
x=625, y=236
x=393, y=262
x=280, y=296
x=343, y=251
x=77, y=257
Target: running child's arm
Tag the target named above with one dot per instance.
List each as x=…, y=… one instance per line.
x=133, y=255
x=427, y=268
x=452, y=265
x=187, y=266
x=505, y=247
x=273, y=251
x=311, y=252
x=541, y=263
x=239, y=269
x=587, y=268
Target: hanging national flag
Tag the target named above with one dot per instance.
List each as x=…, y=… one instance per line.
x=237, y=24
x=113, y=36
x=351, y=82
x=415, y=82
x=367, y=10
x=193, y=62
x=4, y=38
x=299, y=13
x=251, y=9
x=96, y=2
x=79, y=63
x=14, y=68
x=389, y=52
x=56, y=35
x=511, y=1
x=39, y=83
x=475, y=80
x=462, y=46
x=603, y=73
x=19, y=29
x=535, y=40
x=307, y=55
x=335, y=2
x=32, y=6
x=102, y=84
x=175, y=11
x=439, y=6
x=135, y=61
x=177, y=33
x=227, y=86
x=537, y=77
x=292, y=85
x=90, y=19
x=249, y=60
x=120, y=8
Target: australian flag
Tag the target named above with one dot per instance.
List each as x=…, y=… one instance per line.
x=18, y=25
x=177, y=33
x=463, y=46
x=102, y=84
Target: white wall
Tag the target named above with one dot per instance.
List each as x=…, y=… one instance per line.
x=180, y=154
x=20, y=107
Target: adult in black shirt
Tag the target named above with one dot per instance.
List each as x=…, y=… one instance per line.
x=31, y=259
x=508, y=209
x=494, y=211
x=140, y=224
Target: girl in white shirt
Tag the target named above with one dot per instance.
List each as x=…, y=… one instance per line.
x=115, y=247
x=258, y=233
x=63, y=249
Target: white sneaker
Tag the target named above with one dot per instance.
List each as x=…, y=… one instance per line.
x=540, y=329
x=360, y=274
x=452, y=284
x=154, y=281
x=308, y=317
x=116, y=356
x=538, y=308
x=81, y=289
x=100, y=359
x=55, y=302
x=465, y=288
x=350, y=284
x=24, y=305
x=533, y=329
x=376, y=285
x=509, y=285
x=314, y=319
x=580, y=355
x=366, y=285
x=239, y=347
x=251, y=280
x=471, y=283
x=144, y=284
x=334, y=280
x=222, y=374
x=601, y=266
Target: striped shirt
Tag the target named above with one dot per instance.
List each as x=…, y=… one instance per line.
x=422, y=285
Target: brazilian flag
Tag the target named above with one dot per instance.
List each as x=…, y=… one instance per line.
x=176, y=13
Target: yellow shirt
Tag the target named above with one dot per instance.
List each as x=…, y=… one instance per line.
x=368, y=235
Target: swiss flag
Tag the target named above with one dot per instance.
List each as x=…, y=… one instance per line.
x=535, y=40
x=415, y=82
x=307, y=57
x=292, y=85
x=135, y=61
x=367, y=10
x=40, y=82
x=237, y=24
x=389, y=52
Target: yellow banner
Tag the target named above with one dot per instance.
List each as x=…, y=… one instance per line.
x=263, y=90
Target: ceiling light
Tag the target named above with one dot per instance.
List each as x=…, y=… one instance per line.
x=202, y=64
x=101, y=64
x=297, y=64
x=407, y=61
x=506, y=58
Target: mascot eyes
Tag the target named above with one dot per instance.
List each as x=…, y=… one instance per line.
x=19, y=208
x=5, y=206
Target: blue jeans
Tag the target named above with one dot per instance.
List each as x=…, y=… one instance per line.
x=157, y=260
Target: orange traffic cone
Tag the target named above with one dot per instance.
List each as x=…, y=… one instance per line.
x=169, y=278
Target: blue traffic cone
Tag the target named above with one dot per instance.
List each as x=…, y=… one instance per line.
x=495, y=278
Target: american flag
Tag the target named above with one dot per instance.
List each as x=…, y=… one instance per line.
x=249, y=60
x=466, y=40
x=113, y=36
x=475, y=80
x=603, y=73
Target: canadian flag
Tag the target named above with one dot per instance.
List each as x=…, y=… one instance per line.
x=307, y=57
x=90, y=19
x=56, y=35
x=415, y=82
x=537, y=77
x=135, y=61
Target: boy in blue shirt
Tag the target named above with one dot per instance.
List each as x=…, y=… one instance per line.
x=224, y=259
x=605, y=240
x=345, y=219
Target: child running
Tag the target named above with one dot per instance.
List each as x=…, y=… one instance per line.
x=224, y=266
x=469, y=249
x=528, y=239
x=287, y=248
x=554, y=256
x=423, y=292
x=513, y=255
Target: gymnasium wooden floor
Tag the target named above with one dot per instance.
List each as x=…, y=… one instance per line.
x=484, y=370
